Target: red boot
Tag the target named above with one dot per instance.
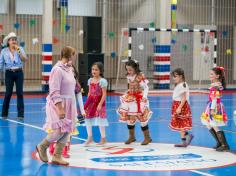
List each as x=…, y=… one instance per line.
x=65, y=152
x=51, y=148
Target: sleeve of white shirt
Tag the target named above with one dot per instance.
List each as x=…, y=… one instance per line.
x=80, y=101
x=144, y=85
x=23, y=52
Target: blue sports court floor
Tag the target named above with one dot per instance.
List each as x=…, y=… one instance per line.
x=18, y=140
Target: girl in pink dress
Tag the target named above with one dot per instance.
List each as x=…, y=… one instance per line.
x=60, y=108
x=215, y=115
x=95, y=106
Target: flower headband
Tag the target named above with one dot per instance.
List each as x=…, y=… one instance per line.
x=222, y=69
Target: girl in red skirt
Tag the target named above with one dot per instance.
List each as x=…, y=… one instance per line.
x=181, y=116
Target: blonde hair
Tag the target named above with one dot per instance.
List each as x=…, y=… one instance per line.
x=67, y=52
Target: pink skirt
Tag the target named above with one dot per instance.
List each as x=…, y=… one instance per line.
x=68, y=124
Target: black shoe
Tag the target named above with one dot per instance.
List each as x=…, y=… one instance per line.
x=4, y=117
x=20, y=118
x=213, y=133
x=224, y=147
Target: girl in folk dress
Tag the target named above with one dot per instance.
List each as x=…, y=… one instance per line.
x=95, y=106
x=134, y=103
x=181, y=116
x=215, y=115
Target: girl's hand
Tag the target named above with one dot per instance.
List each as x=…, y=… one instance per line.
x=83, y=115
x=145, y=100
x=99, y=107
x=61, y=113
x=17, y=49
x=178, y=110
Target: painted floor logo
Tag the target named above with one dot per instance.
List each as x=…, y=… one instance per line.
x=154, y=157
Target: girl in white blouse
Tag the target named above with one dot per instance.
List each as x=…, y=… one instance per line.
x=181, y=116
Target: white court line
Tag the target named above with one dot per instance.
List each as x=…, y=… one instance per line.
x=168, y=108
x=39, y=128
x=118, y=101
x=201, y=173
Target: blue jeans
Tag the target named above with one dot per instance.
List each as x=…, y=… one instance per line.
x=16, y=77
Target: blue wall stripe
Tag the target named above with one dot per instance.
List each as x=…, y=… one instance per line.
x=47, y=47
x=173, y=7
x=161, y=68
x=162, y=49
x=64, y=3
x=161, y=86
x=47, y=68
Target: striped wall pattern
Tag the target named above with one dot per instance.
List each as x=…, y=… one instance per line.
x=161, y=65
x=46, y=65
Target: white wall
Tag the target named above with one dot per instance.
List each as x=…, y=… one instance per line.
x=82, y=7
x=29, y=7
x=4, y=6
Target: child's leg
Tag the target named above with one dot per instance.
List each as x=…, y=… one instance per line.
x=189, y=137
x=182, y=134
x=61, y=142
x=90, y=133
x=145, y=129
x=183, y=138
x=102, y=131
x=103, y=135
x=213, y=131
x=222, y=140
x=42, y=147
x=131, y=128
x=216, y=128
x=54, y=136
x=65, y=152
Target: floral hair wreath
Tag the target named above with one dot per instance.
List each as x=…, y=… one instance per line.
x=222, y=69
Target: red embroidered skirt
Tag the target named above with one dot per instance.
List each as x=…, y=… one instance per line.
x=182, y=121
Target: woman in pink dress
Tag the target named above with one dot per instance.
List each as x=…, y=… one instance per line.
x=95, y=106
x=60, y=108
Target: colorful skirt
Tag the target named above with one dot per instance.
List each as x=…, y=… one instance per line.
x=132, y=110
x=182, y=121
x=218, y=119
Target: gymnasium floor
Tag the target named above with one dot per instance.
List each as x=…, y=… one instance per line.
x=18, y=140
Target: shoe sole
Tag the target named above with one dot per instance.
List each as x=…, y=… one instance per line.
x=40, y=157
x=56, y=163
x=88, y=145
x=66, y=156
x=20, y=119
x=180, y=145
x=147, y=143
x=130, y=142
x=224, y=150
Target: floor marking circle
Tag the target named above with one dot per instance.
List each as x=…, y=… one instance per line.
x=154, y=157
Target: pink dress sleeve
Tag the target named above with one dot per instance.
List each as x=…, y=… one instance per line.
x=55, y=85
